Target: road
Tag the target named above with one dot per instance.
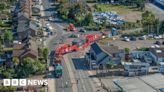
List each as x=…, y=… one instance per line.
x=78, y=65
x=52, y=43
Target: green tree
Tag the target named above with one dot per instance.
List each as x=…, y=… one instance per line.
x=30, y=67
x=16, y=61
x=8, y=35
x=45, y=53
x=161, y=29
x=110, y=65
x=2, y=6
x=88, y=19
x=127, y=50
x=7, y=88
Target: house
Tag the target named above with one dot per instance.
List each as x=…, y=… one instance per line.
x=99, y=55
x=33, y=28
x=135, y=68
x=22, y=51
x=157, y=54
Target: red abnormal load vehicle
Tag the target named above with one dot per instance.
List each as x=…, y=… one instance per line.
x=72, y=28
x=76, y=45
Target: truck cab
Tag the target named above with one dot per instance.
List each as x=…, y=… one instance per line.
x=58, y=70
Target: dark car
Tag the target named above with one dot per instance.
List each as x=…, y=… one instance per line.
x=158, y=42
x=82, y=30
x=163, y=42
x=133, y=38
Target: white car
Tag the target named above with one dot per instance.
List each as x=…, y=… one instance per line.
x=126, y=39
x=51, y=19
x=47, y=25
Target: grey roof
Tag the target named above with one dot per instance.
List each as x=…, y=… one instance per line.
x=155, y=80
x=22, y=25
x=96, y=48
x=110, y=49
x=133, y=85
x=24, y=14
x=33, y=26
x=159, y=52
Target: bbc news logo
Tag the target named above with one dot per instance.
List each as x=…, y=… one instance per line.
x=24, y=82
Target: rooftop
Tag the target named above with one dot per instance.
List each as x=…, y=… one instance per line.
x=134, y=85
x=155, y=80
x=159, y=52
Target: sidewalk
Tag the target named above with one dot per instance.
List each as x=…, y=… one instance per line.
x=51, y=85
x=71, y=73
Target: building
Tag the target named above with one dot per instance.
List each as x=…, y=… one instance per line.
x=157, y=54
x=99, y=55
x=22, y=50
x=143, y=56
x=161, y=67
x=148, y=83
x=135, y=68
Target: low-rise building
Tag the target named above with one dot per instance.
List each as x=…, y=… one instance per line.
x=99, y=55
x=157, y=54
x=148, y=83
x=135, y=68
x=161, y=67
x=23, y=50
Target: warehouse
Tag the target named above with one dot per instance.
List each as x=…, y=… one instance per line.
x=149, y=83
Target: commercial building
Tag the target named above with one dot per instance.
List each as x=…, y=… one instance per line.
x=148, y=83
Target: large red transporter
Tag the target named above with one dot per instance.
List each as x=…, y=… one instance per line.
x=65, y=48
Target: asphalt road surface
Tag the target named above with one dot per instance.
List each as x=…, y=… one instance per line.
x=62, y=84
x=83, y=80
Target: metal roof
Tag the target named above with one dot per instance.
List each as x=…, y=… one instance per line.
x=96, y=48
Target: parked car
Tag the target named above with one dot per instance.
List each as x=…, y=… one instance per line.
x=158, y=43
x=126, y=39
x=163, y=42
x=133, y=38
x=51, y=19
x=142, y=38
x=157, y=37
x=82, y=30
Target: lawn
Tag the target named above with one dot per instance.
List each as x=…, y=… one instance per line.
x=129, y=13
x=118, y=8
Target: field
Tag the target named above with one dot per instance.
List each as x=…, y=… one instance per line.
x=130, y=14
